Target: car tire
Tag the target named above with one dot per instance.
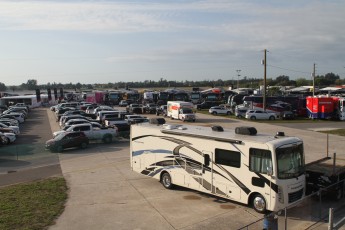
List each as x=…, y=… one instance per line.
x=252, y=118
x=214, y=113
x=83, y=145
x=166, y=180
x=59, y=149
x=7, y=141
x=272, y=118
x=259, y=203
x=107, y=139
x=228, y=113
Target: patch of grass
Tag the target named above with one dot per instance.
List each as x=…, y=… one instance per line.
x=339, y=132
x=33, y=205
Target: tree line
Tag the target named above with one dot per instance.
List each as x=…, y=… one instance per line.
x=329, y=79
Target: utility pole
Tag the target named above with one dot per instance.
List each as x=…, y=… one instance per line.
x=313, y=75
x=265, y=70
x=238, y=77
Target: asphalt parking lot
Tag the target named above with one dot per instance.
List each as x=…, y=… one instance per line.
x=105, y=194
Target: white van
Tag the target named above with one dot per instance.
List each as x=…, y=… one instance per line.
x=181, y=110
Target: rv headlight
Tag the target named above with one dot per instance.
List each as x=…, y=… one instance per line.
x=280, y=195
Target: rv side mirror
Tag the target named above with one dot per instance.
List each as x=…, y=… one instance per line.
x=206, y=160
x=269, y=171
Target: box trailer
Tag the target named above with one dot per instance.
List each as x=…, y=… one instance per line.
x=181, y=110
x=264, y=171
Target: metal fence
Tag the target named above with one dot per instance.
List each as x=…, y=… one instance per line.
x=324, y=209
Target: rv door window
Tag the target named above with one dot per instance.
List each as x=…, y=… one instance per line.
x=228, y=158
x=260, y=160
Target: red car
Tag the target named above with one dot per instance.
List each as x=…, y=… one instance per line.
x=67, y=140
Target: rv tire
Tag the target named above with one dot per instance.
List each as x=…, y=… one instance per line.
x=259, y=203
x=166, y=180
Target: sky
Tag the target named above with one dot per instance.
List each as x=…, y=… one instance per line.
x=89, y=42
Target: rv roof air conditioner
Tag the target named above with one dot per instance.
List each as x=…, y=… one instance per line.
x=279, y=134
x=170, y=127
x=217, y=128
x=245, y=130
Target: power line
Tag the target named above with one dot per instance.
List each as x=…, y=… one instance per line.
x=296, y=71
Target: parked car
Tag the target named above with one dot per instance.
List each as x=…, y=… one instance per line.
x=288, y=115
x=135, y=108
x=206, y=105
x=17, y=116
x=67, y=140
x=260, y=114
x=240, y=112
x=162, y=110
x=106, y=135
x=9, y=121
x=123, y=103
x=215, y=110
x=9, y=138
x=14, y=128
x=150, y=108
x=3, y=139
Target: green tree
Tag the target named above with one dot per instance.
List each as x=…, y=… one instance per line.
x=2, y=86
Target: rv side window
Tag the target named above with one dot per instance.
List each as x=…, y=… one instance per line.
x=259, y=160
x=228, y=158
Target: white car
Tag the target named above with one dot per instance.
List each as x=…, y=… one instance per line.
x=14, y=128
x=215, y=110
x=260, y=114
x=7, y=138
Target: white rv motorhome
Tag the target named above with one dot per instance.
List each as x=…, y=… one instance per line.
x=180, y=110
x=263, y=171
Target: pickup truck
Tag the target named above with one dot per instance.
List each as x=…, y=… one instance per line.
x=104, y=134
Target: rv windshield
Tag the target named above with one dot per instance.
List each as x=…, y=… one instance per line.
x=290, y=161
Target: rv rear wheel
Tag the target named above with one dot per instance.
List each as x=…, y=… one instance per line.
x=166, y=180
x=259, y=203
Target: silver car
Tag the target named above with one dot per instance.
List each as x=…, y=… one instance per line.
x=260, y=114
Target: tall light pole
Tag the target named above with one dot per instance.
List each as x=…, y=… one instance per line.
x=313, y=75
x=264, y=62
x=238, y=77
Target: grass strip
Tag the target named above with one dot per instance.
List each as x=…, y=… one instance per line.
x=339, y=132
x=34, y=205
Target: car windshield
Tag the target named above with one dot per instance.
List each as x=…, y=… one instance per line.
x=290, y=160
x=60, y=136
x=186, y=110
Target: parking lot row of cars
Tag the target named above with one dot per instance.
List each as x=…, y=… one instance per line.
x=10, y=120
x=80, y=121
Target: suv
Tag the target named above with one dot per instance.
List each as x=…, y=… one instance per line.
x=260, y=114
x=67, y=140
x=219, y=110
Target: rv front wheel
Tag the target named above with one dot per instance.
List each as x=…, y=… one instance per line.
x=166, y=180
x=259, y=203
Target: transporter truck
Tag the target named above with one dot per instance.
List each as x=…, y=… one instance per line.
x=181, y=110
x=263, y=171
